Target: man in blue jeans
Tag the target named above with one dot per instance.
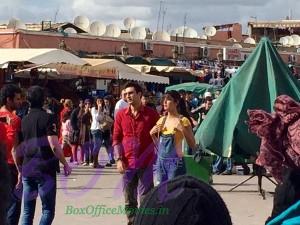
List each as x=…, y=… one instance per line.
x=218, y=166
x=41, y=149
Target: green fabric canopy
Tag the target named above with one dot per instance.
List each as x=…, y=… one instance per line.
x=162, y=62
x=262, y=78
x=195, y=87
x=137, y=60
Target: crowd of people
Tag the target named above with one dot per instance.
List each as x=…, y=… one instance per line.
x=142, y=137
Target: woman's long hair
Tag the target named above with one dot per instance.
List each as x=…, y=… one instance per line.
x=181, y=106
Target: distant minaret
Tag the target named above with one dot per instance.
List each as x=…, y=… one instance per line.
x=184, y=24
x=55, y=16
x=163, y=18
x=159, y=13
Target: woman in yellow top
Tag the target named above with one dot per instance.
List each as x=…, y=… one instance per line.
x=168, y=134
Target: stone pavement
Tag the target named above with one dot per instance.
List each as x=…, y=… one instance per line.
x=87, y=187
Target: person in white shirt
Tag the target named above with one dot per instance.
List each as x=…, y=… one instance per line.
x=97, y=117
x=121, y=104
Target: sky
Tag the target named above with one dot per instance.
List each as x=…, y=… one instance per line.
x=174, y=13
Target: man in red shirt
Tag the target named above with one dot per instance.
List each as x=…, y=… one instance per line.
x=4, y=177
x=134, y=147
x=10, y=101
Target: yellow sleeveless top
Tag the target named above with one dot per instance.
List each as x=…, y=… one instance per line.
x=178, y=135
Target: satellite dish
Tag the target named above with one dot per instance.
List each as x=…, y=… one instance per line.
x=129, y=23
x=70, y=30
x=138, y=33
x=178, y=31
x=284, y=41
x=82, y=22
x=97, y=28
x=249, y=40
x=190, y=33
x=203, y=37
x=16, y=24
x=237, y=46
x=161, y=36
x=112, y=30
x=296, y=39
x=231, y=40
x=291, y=41
x=210, y=31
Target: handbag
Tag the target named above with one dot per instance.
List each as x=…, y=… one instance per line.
x=106, y=123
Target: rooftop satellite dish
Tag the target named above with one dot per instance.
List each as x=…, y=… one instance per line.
x=284, y=41
x=210, y=31
x=231, y=40
x=129, y=23
x=249, y=40
x=178, y=31
x=70, y=30
x=237, y=46
x=82, y=22
x=112, y=30
x=138, y=33
x=97, y=28
x=161, y=36
x=16, y=24
x=203, y=37
x=291, y=41
x=296, y=39
x=190, y=33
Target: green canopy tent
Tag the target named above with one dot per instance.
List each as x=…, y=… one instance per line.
x=195, y=87
x=262, y=78
x=162, y=62
x=137, y=60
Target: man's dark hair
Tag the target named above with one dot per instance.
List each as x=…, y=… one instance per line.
x=36, y=96
x=136, y=87
x=199, y=204
x=8, y=91
x=146, y=95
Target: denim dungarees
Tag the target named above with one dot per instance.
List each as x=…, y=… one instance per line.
x=168, y=164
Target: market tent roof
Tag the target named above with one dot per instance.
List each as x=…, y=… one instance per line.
x=126, y=72
x=257, y=83
x=195, y=87
x=38, y=56
x=105, y=69
x=167, y=69
x=145, y=78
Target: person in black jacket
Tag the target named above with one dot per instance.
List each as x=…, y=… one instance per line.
x=40, y=148
x=76, y=117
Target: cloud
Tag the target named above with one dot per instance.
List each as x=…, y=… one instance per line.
x=198, y=13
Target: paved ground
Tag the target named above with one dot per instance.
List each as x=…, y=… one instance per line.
x=87, y=187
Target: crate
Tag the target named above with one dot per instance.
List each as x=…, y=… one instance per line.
x=202, y=170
